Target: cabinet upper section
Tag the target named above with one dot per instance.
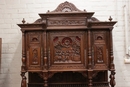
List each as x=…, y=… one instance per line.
x=66, y=16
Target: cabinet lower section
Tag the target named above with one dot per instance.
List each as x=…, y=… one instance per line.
x=69, y=79
x=70, y=85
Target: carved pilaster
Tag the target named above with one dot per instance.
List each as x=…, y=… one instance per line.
x=89, y=51
x=23, y=67
x=45, y=50
x=112, y=66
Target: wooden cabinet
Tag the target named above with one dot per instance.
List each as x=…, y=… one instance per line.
x=67, y=47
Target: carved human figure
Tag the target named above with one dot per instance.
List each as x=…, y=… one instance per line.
x=35, y=57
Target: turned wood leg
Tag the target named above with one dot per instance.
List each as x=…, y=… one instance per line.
x=112, y=79
x=45, y=77
x=90, y=79
x=23, y=82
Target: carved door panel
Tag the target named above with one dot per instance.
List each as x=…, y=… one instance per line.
x=100, y=49
x=34, y=50
x=67, y=50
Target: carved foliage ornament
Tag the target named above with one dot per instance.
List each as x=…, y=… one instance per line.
x=66, y=7
x=66, y=22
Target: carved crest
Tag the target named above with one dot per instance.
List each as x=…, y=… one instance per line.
x=66, y=7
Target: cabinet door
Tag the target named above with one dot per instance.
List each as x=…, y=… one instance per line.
x=67, y=50
x=34, y=55
x=100, y=49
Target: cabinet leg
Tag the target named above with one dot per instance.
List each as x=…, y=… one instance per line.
x=90, y=79
x=23, y=82
x=112, y=79
x=45, y=77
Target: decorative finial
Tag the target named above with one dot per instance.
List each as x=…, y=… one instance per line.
x=110, y=18
x=23, y=21
x=48, y=11
x=85, y=10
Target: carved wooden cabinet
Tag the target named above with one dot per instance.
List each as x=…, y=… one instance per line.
x=67, y=47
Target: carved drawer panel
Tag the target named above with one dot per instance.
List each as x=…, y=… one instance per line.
x=66, y=22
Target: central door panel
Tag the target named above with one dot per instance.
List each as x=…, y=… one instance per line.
x=67, y=50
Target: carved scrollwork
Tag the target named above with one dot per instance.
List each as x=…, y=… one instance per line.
x=100, y=66
x=66, y=22
x=94, y=19
x=67, y=67
x=66, y=7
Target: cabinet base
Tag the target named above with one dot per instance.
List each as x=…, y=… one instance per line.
x=70, y=85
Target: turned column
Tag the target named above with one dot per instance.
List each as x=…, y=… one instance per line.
x=112, y=66
x=23, y=67
x=89, y=60
x=45, y=72
x=23, y=82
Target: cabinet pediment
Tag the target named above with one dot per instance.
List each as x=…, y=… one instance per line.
x=67, y=7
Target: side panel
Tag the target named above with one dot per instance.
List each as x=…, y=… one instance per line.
x=34, y=50
x=100, y=49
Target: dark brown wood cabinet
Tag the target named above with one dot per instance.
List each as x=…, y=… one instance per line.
x=67, y=47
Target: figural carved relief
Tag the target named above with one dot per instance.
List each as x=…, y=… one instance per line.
x=99, y=54
x=100, y=49
x=35, y=56
x=67, y=49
